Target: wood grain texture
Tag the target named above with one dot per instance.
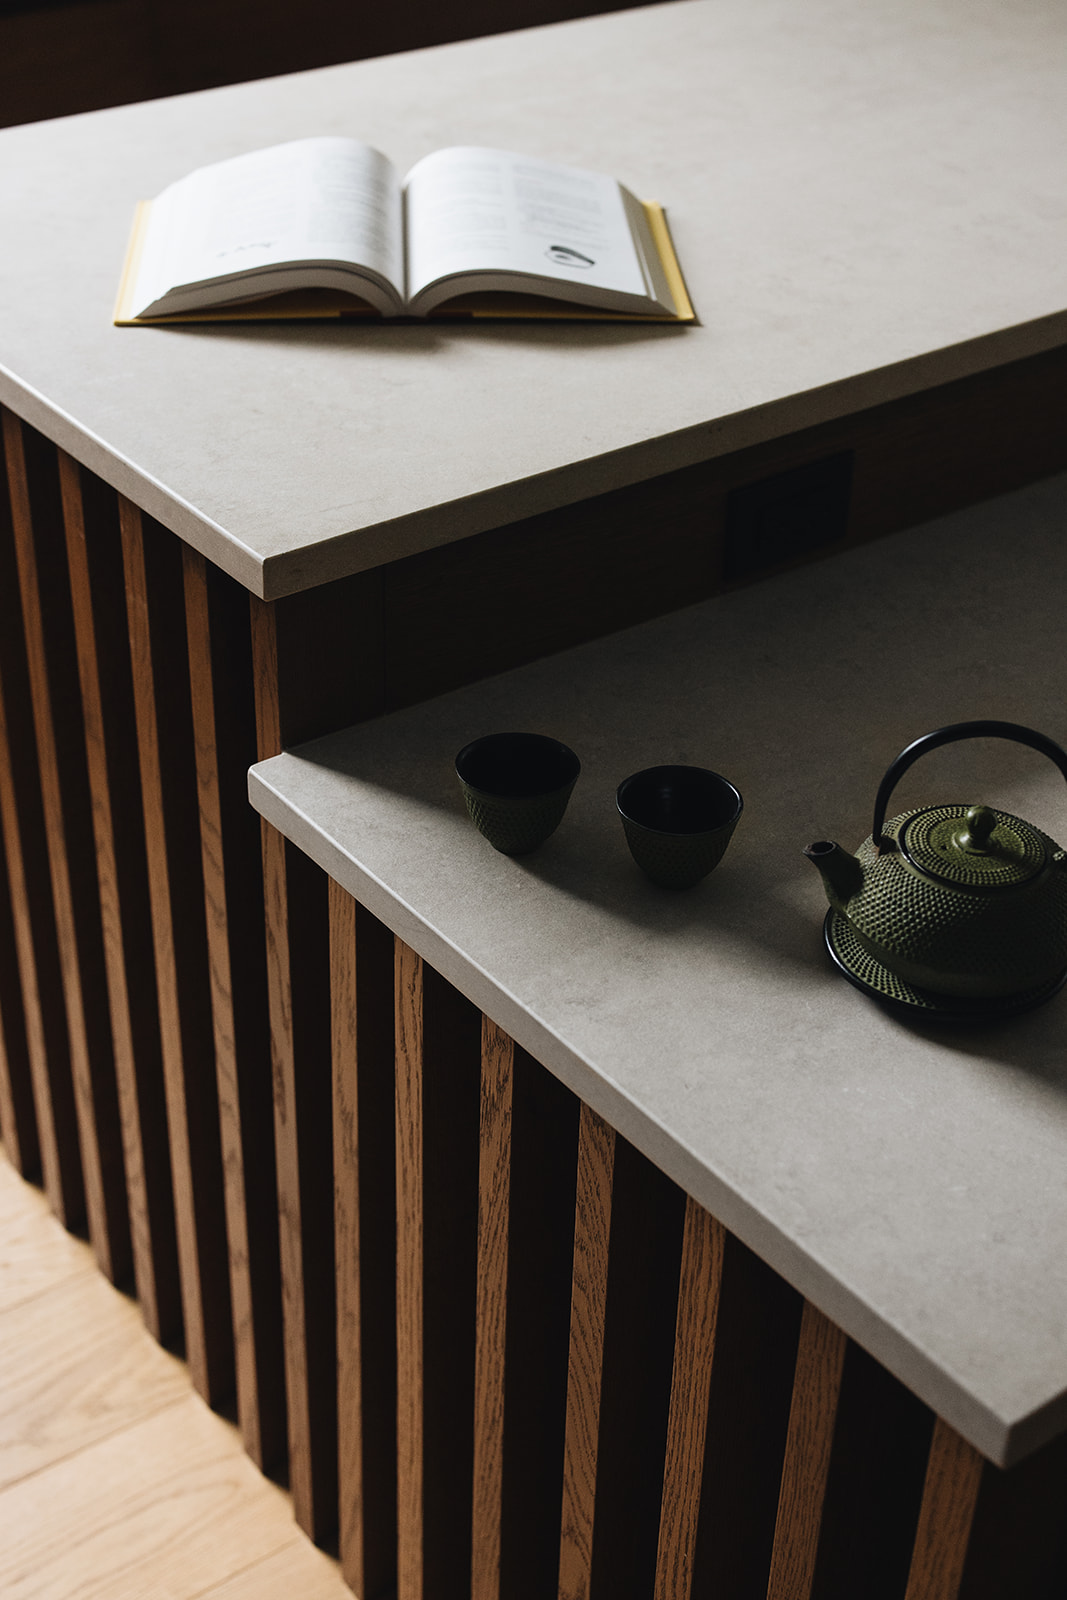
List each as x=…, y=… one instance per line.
x=173, y=1493
x=361, y=993
x=950, y=1496
x=592, y=1231
x=223, y=718
x=60, y=737
x=541, y=1216
x=298, y=978
x=816, y=1386
x=94, y=556
x=156, y=625
x=703, y=1248
x=874, y=1488
x=37, y=1253
x=437, y=1130
x=18, y=1119
x=40, y=994
x=494, y=1193
x=71, y=1373
x=410, y=1309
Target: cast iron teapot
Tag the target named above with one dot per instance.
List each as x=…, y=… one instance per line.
x=955, y=910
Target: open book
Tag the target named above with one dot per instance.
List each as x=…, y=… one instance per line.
x=325, y=228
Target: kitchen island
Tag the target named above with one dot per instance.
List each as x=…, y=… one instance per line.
x=719, y=1095
x=218, y=542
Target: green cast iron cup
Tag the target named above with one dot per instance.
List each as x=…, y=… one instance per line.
x=678, y=822
x=516, y=786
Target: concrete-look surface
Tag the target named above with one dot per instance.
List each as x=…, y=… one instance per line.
x=867, y=199
x=912, y=1181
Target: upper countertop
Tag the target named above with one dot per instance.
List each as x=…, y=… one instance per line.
x=867, y=199
x=911, y=1181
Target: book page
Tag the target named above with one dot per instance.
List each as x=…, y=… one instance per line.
x=477, y=210
x=322, y=200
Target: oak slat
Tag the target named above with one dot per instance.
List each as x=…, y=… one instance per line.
x=60, y=735
x=592, y=1230
x=816, y=1386
x=950, y=1496
x=297, y=931
x=703, y=1248
x=18, y=1119
x=494, y=1189
x=94, y=555
x=437, y=1125
x=361, y=965
x=154, y=606
x=223, y=715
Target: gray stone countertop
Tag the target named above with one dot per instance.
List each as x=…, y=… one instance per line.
x=867, y=199
x=911, y=1180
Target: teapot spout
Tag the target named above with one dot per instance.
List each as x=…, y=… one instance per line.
x=842, y=874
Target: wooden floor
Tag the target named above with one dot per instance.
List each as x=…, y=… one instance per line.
x=116, y=1481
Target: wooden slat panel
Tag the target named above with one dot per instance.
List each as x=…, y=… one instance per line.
x=223, y=713
x=361, y=965
x=820, y=1361
x=437, y=1121
x=295, y=897
x=56, y=701
x=40, y=992
x=1018, y=1542
x=541, y=1217
x=152, y=564
x=950, y=1495
x=874, y=1489
x=703, y=1248
x=18, y=1120
x=647, y=1223
x=94, y=553
x=592, y=1231
x=494, y=1193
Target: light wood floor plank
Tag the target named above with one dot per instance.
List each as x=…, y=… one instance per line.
x=296, y=1572
x=166, y=1508
x=37, y=1251
x=75, y=1367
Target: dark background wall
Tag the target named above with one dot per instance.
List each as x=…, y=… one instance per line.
x=57, y=58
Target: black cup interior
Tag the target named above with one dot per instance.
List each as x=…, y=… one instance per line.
x=517, y=765
x=678, y=799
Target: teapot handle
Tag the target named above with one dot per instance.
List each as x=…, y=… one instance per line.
x=958, y=730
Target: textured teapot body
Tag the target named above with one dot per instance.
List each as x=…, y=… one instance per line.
x=969, y=939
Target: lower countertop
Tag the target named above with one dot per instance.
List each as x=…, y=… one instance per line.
x=911, y=1180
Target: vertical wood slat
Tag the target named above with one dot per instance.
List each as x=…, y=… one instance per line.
x=703, y=1249
x=18, y=1119
x=494, y=1185
x=223, y=717
x=56, y=702
x=94, y=555
x=816, y=1386
x=25, y=848
x=152, y=568
x=596, y=1157
x=437, y=1135
x=297, y=940
x=950, y=1496
x=361, y=966
x=410, y=1213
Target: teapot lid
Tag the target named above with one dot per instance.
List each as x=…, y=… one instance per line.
x=973, y=847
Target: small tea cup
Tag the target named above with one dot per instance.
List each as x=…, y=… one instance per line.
x=517, y=786
x=678, y=822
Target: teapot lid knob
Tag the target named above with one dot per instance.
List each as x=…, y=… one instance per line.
x=980, y=822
